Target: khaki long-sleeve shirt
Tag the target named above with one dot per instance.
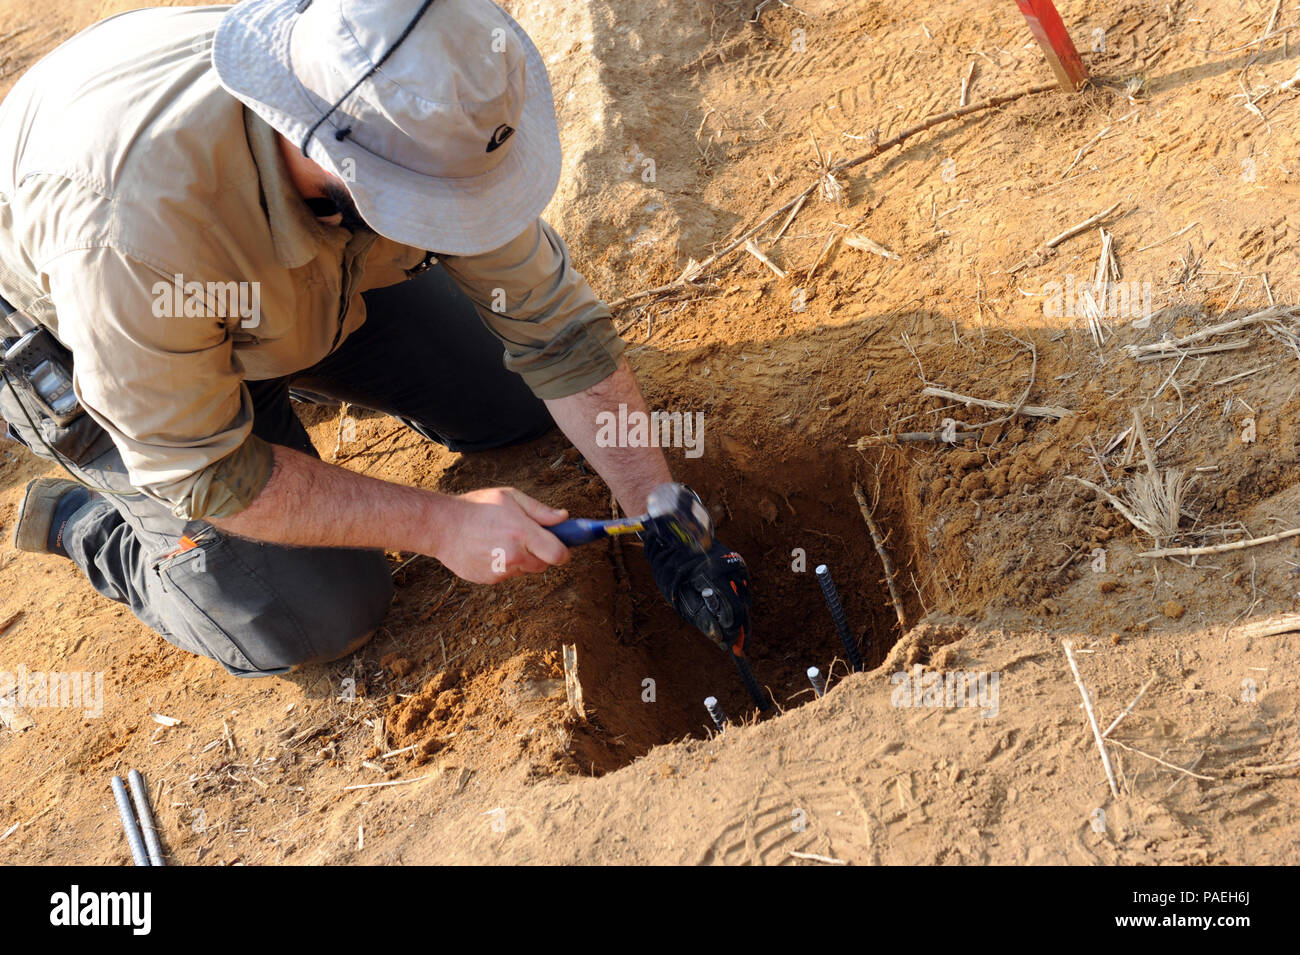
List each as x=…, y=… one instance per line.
x=148, y=220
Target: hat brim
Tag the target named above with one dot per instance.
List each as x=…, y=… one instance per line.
x=251, y=54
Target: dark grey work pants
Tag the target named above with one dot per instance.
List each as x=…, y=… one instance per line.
x=424, y=357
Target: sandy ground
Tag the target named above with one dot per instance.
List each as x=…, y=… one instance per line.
x=686, y=122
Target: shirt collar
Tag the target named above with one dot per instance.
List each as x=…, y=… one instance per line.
x=296, y=234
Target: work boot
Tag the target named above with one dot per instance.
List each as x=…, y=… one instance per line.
x=312, y=398
x=44, y=514
x=314, y=678
x=350, y=649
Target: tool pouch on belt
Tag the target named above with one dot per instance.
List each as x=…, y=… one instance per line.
x=36, y=393
x=79, y=442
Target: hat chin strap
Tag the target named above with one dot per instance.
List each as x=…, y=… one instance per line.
x=344, y=132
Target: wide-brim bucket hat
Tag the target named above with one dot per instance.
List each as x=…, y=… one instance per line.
x=447, y=142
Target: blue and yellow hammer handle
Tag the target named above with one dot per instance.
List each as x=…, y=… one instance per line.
x=583, y=530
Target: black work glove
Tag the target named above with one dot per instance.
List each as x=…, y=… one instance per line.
x=684, y=575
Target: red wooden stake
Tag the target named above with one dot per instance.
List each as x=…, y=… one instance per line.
x=1050, y=32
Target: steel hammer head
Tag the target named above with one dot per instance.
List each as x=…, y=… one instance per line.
x=677, y=512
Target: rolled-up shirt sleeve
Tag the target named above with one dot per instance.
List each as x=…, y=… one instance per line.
x=558, y=335
x=165, y=385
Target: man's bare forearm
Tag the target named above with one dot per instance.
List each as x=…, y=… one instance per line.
x=483, y=536
x=309, y=503
x=629, y=472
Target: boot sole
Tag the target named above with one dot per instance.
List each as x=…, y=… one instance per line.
x=36, y=513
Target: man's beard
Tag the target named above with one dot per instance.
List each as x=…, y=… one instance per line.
x=347, y=208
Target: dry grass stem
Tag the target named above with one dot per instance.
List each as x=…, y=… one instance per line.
x=1220, y=548
x=862, y=243
x=752, y=248
x=1174, y=346
x=1271, y=627
x=878, y=540
x=1033, y=411
x=1092, y=718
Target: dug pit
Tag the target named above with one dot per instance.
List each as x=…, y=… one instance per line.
x=647, y=687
